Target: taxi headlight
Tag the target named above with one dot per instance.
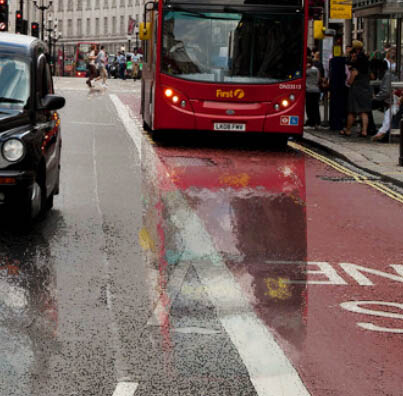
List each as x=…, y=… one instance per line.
x=13, y=150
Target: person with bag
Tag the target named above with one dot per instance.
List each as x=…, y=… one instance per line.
x=383, y=99
x=92, y=69
x=360, y=93
x=312, y=95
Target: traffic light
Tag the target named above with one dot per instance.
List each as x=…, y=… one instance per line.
x=35, y=29
x=316, y=9
x=19, y=25
x=3, y=15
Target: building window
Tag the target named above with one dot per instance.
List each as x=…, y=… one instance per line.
x=106, y=25
x=69, y=27
x=79, y=5
x=60, y=26
x=106, y=4
x=88, y=26
x=79, y=27
x=114, y=25
x=97, y=4
x=70, y=5
x=97, y=26
x=88, y=4
x=113, y=3
x=130, y=3
x=122, y=3
x=122, y=25
x=60, y=7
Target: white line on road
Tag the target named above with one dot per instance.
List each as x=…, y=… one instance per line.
x=128, y=122
x=271, y=373
x=125, y=389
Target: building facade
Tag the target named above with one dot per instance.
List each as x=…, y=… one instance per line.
x=100, y=21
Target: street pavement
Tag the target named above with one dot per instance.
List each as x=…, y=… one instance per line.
x=381, y=159
x=201, y=265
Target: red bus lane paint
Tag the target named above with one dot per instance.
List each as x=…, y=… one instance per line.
x=270, y=371
x=339, y=339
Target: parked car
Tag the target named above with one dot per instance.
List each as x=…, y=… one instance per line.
x=30, y=134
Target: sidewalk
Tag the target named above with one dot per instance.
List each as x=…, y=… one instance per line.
x=377, y=158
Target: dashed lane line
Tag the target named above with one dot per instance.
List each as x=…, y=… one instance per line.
x=356, y=176
x=270, y=371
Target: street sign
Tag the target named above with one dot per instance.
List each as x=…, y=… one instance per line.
x=341, y=9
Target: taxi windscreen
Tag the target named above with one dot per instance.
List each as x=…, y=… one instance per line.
x=14, y=83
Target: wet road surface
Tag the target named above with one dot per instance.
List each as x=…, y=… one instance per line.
x=189, y=266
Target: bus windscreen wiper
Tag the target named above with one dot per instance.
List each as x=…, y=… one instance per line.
x=10, y=100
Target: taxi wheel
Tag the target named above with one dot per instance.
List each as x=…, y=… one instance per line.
x=33, y=205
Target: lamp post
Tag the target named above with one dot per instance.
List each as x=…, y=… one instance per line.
x=42, y=8
x=52, y=28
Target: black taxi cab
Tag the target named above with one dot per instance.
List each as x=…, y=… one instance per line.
x=30, y=139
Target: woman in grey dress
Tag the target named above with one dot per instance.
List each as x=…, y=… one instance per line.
x=360, y=93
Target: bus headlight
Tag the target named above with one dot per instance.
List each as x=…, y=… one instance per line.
x=285, y=103
x=13, y=150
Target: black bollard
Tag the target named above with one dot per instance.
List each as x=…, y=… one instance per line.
x=401, y=143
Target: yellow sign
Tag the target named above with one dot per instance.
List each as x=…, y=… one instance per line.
x=318, y=31
x=337, y=50
x=341, y=9
x=237, y=93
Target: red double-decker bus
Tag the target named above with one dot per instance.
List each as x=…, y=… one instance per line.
x=225, y=65
x=81, y=53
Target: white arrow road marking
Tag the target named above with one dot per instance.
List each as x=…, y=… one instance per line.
x=270, y=371
x=125, y=389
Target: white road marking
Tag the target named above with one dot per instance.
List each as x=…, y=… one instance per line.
x=100, y=124
x=270, y=371
x=128, y=122
x=125, y=389
x=173, y=287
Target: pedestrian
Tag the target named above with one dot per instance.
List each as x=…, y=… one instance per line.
x=382, y=99
x=312, y=94
x=360, y=94
x=122, y=65
x=100, y=62
x=92, y=69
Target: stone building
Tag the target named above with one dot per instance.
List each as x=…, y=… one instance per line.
x=100, y=21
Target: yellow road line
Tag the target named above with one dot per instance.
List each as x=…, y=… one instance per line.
x=342, y=169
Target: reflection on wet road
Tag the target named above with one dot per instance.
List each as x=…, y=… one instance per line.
x=195, y=265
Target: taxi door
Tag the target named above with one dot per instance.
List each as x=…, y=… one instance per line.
x=47, y=123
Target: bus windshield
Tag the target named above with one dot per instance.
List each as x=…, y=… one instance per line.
x=242, y=47
x=83, y=51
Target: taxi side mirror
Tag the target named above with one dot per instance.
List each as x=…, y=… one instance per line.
x=53, y=102
x=145, y=31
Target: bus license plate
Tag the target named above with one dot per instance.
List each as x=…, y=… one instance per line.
x=224, y=126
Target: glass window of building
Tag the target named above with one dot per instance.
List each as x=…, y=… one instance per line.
x=113, y=3
x=88, y=26
x=69, y=27
x=79, y=26
x=79, y=5
x=97, y=26
x=70, y=5
x=114, y=25
x=106, y=25
x=88, y=4
x=106, y=4
x=60, y=6
x=60, y=26
x=122, y=3
x=97, y=4
x=122, y=25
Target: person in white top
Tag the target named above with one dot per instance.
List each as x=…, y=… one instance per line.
x=101, y=66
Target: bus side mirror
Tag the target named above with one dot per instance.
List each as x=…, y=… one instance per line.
x=145, y=31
